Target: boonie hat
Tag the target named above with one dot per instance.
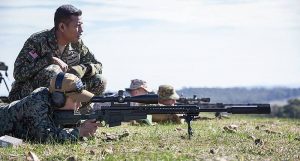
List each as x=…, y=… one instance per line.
x=137, y=83
x=167, y=92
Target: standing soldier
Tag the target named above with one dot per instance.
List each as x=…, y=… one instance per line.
x=49, y=52
x=167, y=97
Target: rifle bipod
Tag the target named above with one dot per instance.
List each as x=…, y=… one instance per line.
x=1, y=78
x=188, y=118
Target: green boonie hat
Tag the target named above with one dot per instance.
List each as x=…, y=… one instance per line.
x=167, y=92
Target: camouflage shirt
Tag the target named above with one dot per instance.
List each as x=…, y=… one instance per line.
x=39, y=49
x=29, y=119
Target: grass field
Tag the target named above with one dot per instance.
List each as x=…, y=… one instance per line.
x=236, y=138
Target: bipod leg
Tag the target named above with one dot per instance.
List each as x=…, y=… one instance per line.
x=5, y=84
x=1, y=78
x=188, y=119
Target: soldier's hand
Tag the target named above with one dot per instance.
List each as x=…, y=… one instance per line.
x=88, y=128
x=62, y=64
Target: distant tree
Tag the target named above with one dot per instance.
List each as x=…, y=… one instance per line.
x=292, y=109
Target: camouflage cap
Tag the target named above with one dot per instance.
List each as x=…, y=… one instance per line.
x=137, y=83
x=167, y=92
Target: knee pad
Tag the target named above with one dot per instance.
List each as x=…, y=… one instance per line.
x=96, y=84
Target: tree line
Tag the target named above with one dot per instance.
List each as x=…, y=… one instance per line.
x=242, y=95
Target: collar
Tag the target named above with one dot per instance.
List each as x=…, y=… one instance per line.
x=52, y=40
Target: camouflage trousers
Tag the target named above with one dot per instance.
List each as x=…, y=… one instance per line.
x=95, y=84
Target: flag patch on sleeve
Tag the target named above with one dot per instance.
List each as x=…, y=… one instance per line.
x=33, y=54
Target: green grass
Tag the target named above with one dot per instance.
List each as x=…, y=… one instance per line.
x=255, y=138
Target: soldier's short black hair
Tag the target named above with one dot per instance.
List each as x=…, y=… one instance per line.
x=64, y=13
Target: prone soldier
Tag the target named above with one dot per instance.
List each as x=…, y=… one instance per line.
x=30, y=118
x=139, y=87
x=167, y=96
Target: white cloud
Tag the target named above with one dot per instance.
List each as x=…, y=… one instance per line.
x=180, y=42
x=265, y=13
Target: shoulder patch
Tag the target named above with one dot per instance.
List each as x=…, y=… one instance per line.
x=33, y=54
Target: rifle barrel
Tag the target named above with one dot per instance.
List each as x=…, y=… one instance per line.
x=194, y=109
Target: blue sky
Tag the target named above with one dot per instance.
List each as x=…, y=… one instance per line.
x=184, y=43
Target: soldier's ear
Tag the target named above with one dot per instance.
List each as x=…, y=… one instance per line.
x=61, y=27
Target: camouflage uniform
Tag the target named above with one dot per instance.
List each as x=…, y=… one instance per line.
x=29, y=119
x=167, y=92
x=34, y=66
